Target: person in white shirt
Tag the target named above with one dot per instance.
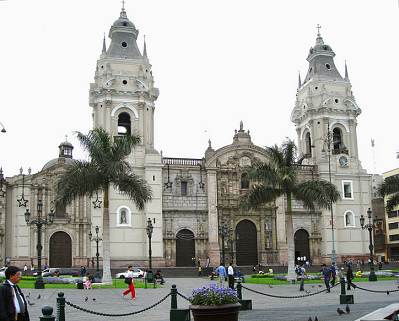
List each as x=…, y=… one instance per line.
x=130, y=281
x=230, y=273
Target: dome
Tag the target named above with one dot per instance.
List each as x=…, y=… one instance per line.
x=123, y=21
x=56, y=161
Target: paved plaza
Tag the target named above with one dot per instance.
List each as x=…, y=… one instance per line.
x=322, y=305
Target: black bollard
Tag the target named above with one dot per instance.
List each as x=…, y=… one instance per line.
x=175, y=313
x=345, y=298
x=60, y=307
x=245, y=304
x=47, y=314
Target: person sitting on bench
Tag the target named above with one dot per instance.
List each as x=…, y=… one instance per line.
x=159, y=276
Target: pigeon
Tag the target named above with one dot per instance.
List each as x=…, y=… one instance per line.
x=28, y=295
x=86, y=298
x=319, y=286
x=30, y=303
x=39, y=296
x=312, y=286
x=340, y=312
x=94, y=299
x=310, y=319
x=347, y=309
x=270, y=286
x=307, y=291
x=316, y=319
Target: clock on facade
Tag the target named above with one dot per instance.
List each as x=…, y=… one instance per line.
x=343, y=161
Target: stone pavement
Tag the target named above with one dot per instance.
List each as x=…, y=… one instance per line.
x=322, y=305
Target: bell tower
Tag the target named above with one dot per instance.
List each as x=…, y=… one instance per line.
x=325, y=116
x=123, y=99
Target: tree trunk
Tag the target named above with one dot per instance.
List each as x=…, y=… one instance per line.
x=107, y=278
x=290, y=241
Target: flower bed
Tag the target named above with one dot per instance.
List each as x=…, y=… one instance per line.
x=213, y=295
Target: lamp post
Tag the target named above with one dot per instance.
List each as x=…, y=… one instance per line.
x=3, y=130
x=149, y=229
x=370, y=227
x=223, y=234
x=327, y=142
x=39, y=222
x=96, y=239
x=231, y=244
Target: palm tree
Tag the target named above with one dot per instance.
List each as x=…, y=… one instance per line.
x=279, y=177
x=390, y=186
x=107, y=167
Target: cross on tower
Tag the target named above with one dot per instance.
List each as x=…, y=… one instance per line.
x=123, y=4
x=318, y=28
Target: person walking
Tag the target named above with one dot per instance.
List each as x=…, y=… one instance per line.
x=326, y=275
x=130, y=281
x=334, y=271
x=221, y=271
x=199, y=271
x=25, y=270
x=349, y=277
x=12, y=302
x=302, y=275
x=230, y=272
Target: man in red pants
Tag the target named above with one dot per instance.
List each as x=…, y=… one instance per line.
x=130, y=281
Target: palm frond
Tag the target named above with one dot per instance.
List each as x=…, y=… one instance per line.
x=259, y=195
x=289, y=151
x=81, y=178
x=318, y=193
x=392, y=202
x=135, y=188
x=390, y=185
x=263, y=172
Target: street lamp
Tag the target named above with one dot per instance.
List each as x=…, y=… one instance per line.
x=223, y=234
x=96, y=239
x=327, y=142
x=149, y=230
x=370, y=227
x=3, y=130
x=39, y=222
x=231, y=244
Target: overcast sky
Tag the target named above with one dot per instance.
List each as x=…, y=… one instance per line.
x=215, y=63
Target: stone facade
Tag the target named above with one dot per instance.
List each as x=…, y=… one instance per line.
x=195, y=200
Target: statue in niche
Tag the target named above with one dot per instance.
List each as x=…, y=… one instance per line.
x=241, y=126
x=123, y=217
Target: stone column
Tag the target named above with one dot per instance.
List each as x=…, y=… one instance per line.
x=214, y=249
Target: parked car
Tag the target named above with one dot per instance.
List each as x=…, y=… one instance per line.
x=63, y=271
x=137, y=273
x=2, y=271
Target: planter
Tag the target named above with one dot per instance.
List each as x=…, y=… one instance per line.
x=224, y=312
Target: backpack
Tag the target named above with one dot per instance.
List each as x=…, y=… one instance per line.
x=298, y=271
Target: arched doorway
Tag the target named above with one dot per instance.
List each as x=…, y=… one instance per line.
x=60, y=250
x=185, y=248
x=302, y=244
x=246, y=243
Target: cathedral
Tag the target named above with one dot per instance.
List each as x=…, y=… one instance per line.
x=195, y=209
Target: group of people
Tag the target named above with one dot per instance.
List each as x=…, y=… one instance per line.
x=229, y=275
x=328, y=275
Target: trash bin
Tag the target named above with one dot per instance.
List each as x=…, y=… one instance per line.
x=292, y=281
x=150, y=276
x=80, y=285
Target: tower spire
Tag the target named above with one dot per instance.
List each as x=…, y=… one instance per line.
x=104, y=45
x=299, y=80
x=346, y=71
x=145, y=49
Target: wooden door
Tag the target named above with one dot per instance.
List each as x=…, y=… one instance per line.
x=246, y=243
x=185, y=248
x=60, y=250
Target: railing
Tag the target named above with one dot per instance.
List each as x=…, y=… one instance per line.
x=182, y=161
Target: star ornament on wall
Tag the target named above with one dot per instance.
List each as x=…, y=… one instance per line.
x=97, y=203
x=22, y=201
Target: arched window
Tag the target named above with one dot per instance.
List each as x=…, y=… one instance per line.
x=337, y=140
x=244, y=181
x=308, y=142
x=349, y=219
x=124, y=126
x=123, y=217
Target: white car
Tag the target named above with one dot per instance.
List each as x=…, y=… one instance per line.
x=137, y=273
x=2, y=271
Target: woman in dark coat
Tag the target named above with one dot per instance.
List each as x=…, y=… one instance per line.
x=349, y=277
